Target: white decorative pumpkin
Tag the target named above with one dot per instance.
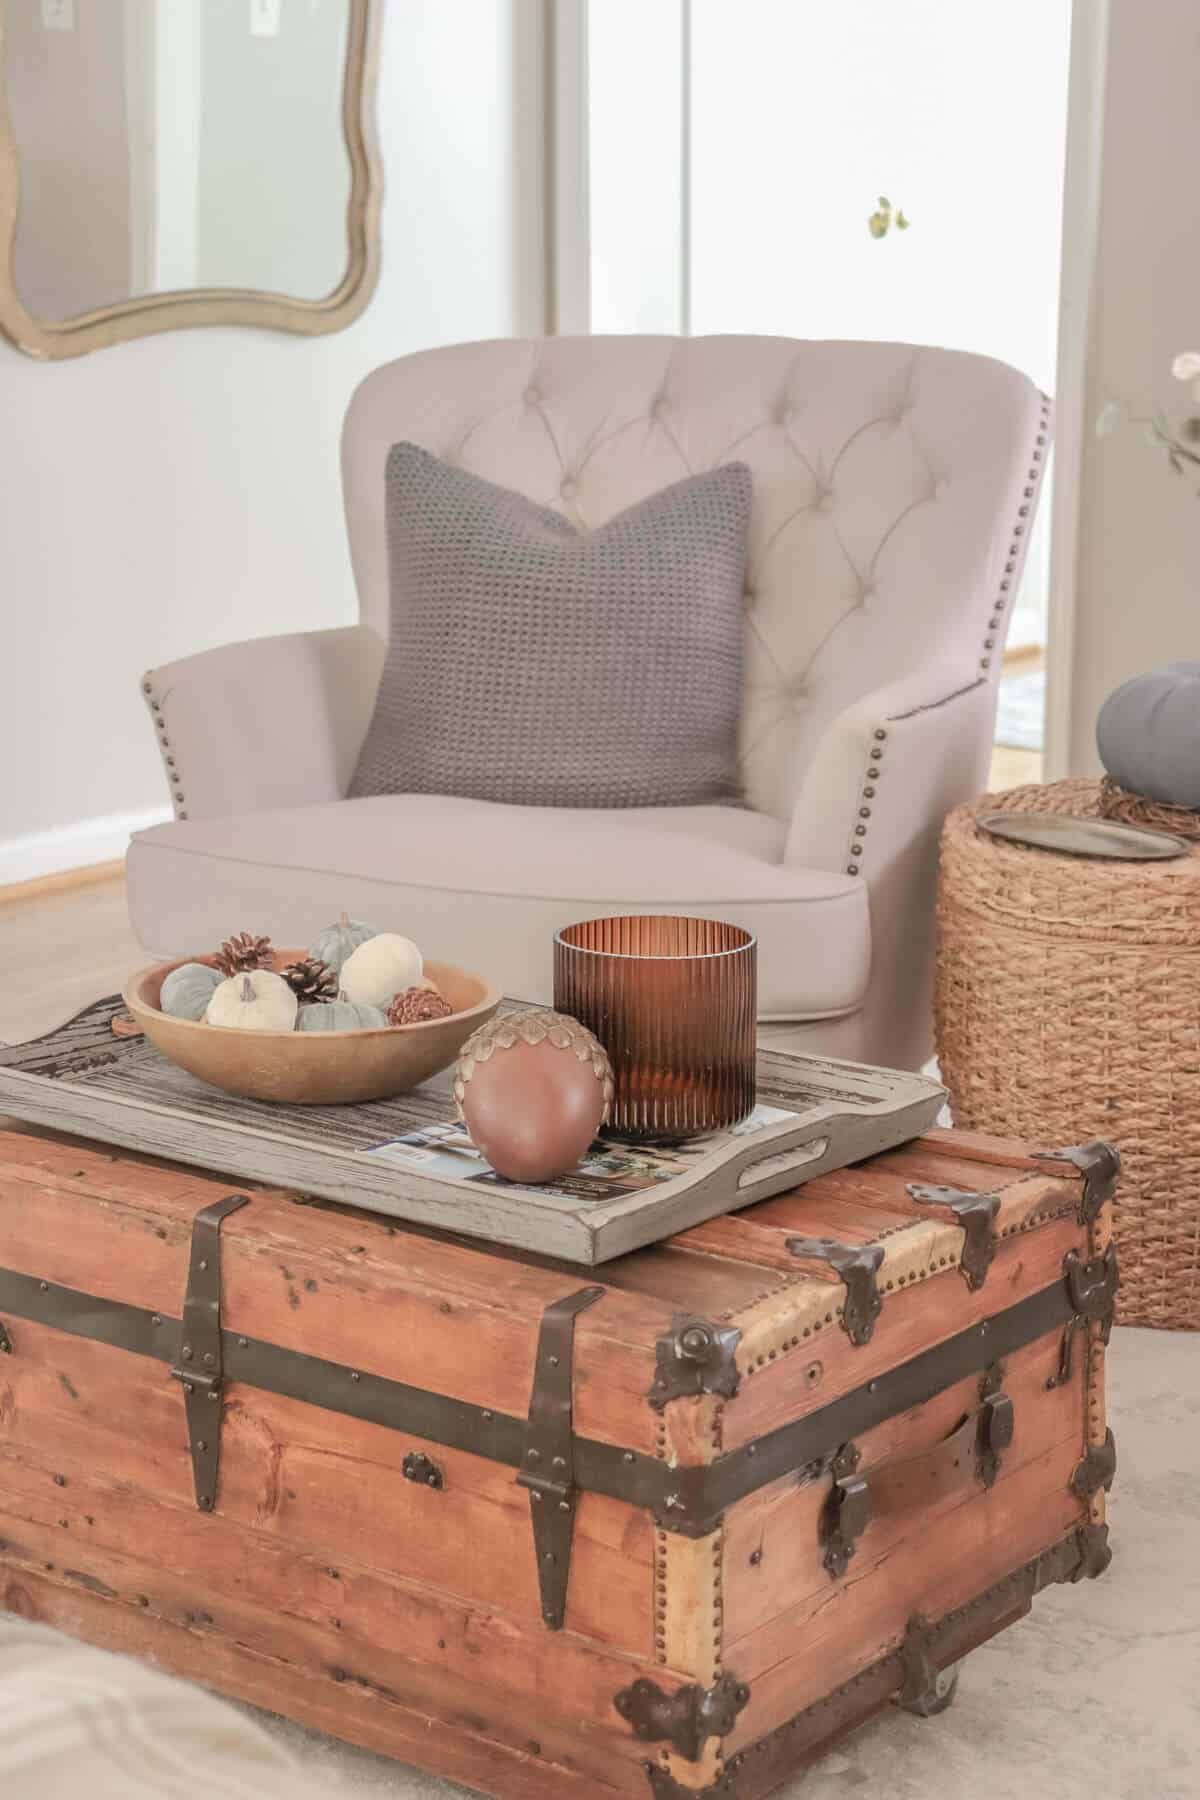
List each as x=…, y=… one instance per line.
x=187, y=990
x=340, y=1015
x=337, y=942
x=257, y=1001
x=383, y=966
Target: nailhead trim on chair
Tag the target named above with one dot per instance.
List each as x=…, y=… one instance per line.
x=874, y=765
x=873, y=771
x=1037, y=456
x=174, y=778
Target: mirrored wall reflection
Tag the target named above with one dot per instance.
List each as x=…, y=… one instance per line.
x=166, y=145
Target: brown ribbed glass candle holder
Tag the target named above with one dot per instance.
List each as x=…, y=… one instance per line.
x=674, y=1002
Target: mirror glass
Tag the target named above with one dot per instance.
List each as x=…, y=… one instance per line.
x=167, y=145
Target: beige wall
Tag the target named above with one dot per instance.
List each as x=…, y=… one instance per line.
x=1138, y=572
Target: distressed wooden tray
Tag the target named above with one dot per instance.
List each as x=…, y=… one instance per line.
x=80, y=1078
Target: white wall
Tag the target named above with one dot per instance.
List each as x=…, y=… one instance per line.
x=1138, y=562
x=180, y=491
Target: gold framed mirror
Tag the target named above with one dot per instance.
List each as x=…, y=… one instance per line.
x=174, y=163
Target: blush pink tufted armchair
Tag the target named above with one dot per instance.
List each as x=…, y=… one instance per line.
x=894, y=494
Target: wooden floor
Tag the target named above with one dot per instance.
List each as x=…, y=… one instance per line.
x=1014, y=768
x=60, y=950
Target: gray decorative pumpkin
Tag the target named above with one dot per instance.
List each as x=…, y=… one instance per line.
x=338, y=941
x=188, y=989
x=340, y=1015
x=1148, y=735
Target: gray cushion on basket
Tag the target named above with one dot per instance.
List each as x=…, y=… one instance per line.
x=538, y=665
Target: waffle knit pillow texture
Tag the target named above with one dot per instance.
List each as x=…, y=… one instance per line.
x=535, y=664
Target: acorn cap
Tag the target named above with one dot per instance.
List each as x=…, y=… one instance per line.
x=534, y=1025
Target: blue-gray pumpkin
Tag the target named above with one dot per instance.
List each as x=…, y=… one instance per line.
x=340, y=940
x=1148, y=735
x=187, y=990
x=340, y=1015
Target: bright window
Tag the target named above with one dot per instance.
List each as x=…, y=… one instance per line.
x=738, y=149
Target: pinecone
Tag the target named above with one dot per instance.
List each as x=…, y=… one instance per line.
x=416, y=1005
x=241, y=954
x=311, y=980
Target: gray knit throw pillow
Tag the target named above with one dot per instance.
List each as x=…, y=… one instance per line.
x=533, y=663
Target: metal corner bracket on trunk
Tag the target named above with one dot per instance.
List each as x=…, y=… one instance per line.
x=976, y=1213
x=694, y=1357
x=1097, y=1470
x=686, y=1718
x=1099, y=1164
x=857, y=1265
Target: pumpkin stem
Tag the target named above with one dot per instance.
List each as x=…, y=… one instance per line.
x=247, y=988
x=344, y=920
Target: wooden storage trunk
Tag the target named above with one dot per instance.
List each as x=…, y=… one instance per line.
x=767, y=1478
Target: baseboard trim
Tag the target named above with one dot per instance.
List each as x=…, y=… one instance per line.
x=79, y=847
x=67, y=881
x=1019, y=658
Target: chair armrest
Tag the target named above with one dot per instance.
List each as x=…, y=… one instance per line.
x=277, y=721
x=889, y=768
x=886, y=772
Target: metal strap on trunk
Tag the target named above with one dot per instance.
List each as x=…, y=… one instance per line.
x=548, y=1465
x=200, y=1367
x=686, y=1499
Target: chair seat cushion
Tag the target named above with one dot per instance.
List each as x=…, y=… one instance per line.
x=535, y=663
x=487, y=885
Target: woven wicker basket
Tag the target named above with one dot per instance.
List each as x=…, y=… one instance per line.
x=1068, y=1007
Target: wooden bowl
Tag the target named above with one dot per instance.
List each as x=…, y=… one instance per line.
x=313, y=1068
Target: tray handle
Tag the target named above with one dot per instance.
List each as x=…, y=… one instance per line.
x=781, y=1162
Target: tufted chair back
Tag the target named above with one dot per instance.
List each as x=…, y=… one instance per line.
x=893, y=488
